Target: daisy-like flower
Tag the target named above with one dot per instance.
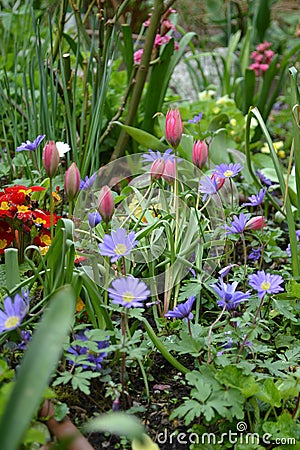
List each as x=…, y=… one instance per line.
x=152, y=156
x=129, y=292
x=31, y=146
x=14, y=311
x=227, y=170
x=265, y=283
x=62, y=148
x=183, y=310
x=95, y=358
x=228, y=296
x=238, y=224
x=256, y=199
x=117, y=244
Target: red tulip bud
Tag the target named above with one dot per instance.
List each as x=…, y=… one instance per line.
x=50, y=159
x=72, y=181
x=106, y=204
x=157, y=169
x=218, y=180
x=256, y=223
x=200, y=153
x=174, y=127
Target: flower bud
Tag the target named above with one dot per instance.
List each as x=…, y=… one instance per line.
x=72, y=181
x=174, y=127
x=50, y=159
x=157, y=169
x=200, y=153
x=106, y=204
x=94, y=218
x=169, y=172
x=256, y=223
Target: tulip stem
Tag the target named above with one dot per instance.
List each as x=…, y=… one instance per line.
x=51, y=207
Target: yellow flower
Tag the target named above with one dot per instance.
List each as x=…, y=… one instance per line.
x=216, y=110
x=206, y=95
x=233, y=122
x=277, y=146
x=147, y=444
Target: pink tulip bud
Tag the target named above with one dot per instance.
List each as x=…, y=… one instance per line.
x=106, y=204
x=200, y=153
x=157, y=169
x=256, y=223
x=169, y=172
x=50, y=159
x=174, y=127
x=72, y=181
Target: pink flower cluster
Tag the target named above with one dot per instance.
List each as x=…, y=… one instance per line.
x=262, y=58
x=161, y=38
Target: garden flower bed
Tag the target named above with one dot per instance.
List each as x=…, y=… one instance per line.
x=148, y=241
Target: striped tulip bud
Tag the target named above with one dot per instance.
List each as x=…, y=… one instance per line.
x=106, y=204
x=174, y=127
x=157, y=169
x=72, y=181
x=50, y=158
x=256, y=223
x=169, y=172
x=200, y=153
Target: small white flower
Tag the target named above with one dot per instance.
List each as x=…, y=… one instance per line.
x=62, y=148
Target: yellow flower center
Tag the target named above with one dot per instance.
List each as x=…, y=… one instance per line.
x=22, y=208
x=3, y=243
x=5, y=206
x=265, y=285
x=39, y=221
x=128, y=297
x=228, y=173
x=12, y=322
x=120, y=249
x=45, y=239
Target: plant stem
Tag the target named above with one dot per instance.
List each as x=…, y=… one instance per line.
x=140, y=78
x=210, y=332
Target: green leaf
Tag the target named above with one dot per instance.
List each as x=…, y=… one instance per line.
x=37, y=367
x=234, y=377
x=144, y=138
x=269, y=393
x=117, y=423
x=284, y=427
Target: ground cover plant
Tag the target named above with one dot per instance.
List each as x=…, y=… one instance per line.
x=149, y=242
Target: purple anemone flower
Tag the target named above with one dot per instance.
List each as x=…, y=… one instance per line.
x=208, y=186
x=96, y=358
x=227, y=170
x=256, y=199
x=238, y=224
x=117, y=244
x=196, y=119
x=288, y=249
x=94, y=218
x=183, y=310
x=225, y=271
x=87, y=183
x=228, y=296
x=31, y=146
x=263, y=178
x=152, y=156
x=129, y=292
x=265, y=283
x=255, y=254
x=14, y=311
